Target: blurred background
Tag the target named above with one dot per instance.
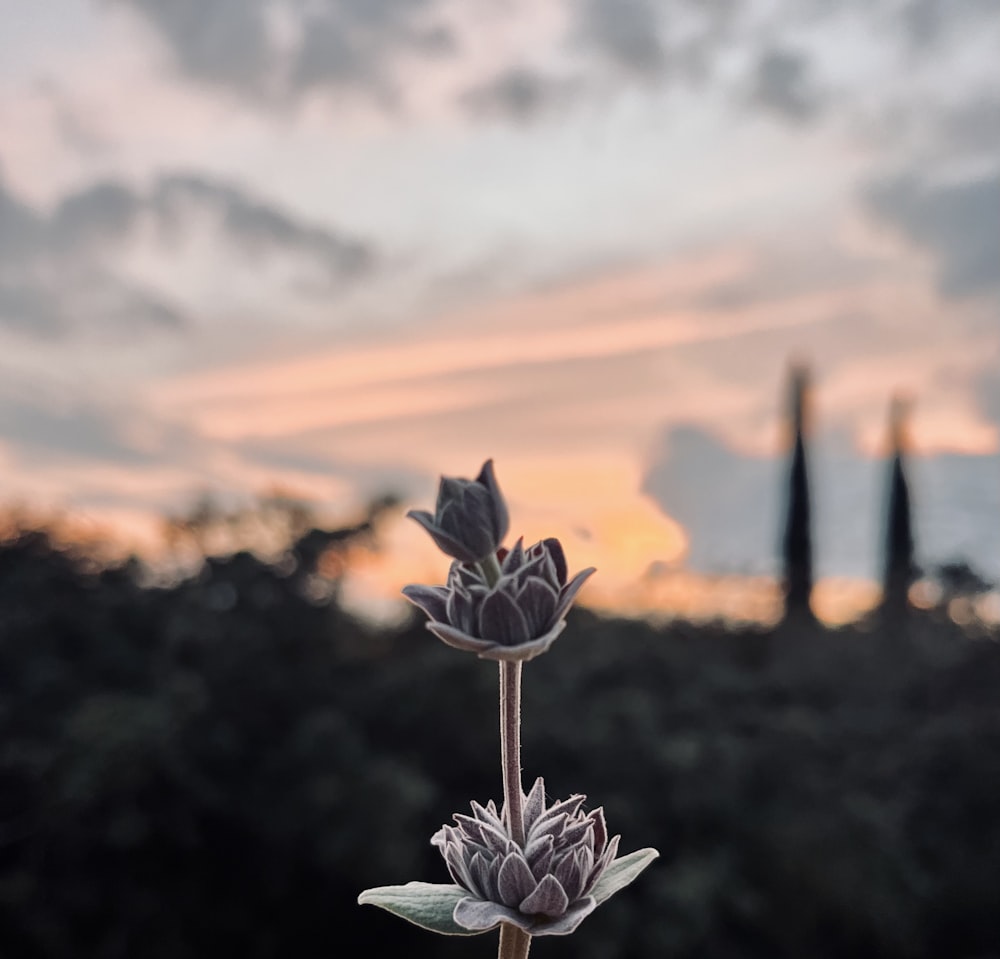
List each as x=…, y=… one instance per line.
x=716, y=284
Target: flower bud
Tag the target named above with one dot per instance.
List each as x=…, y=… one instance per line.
x=514, y=619
x=470, y=520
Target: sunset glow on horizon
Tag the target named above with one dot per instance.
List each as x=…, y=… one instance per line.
x=341, y=249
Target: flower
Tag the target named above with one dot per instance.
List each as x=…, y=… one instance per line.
x=515, y=619
x=545, y=886
x=470, y=519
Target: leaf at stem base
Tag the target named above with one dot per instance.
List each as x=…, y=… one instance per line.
x=426, y=904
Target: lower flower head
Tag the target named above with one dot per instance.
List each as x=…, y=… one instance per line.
x=544, y=886
x=516, y=618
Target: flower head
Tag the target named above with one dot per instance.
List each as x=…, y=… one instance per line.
x=470, y=519
x=544, y=887
x=515, y=619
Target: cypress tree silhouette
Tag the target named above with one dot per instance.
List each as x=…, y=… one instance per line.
x=797, y=540
x=899, y=567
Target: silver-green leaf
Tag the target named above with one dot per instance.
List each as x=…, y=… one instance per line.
x=426, y=904
x=622, y=872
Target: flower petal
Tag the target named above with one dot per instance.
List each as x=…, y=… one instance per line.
x=567, y=807
x=432, y=600
x=458, y=639
x=525, y=651
x=554, y=550
x=501, y=518
x=513, y=559
x=445, y=541
x=596, y=816
x=538, y=601
x=460, y=610
x=607, y=857
x=501, y=620
x=515, y=881
x=569, y=876
x=548, y=899
x=539, y=854
x=569, y=591
x=479, y=915
x=566, y=923
x=534, y=803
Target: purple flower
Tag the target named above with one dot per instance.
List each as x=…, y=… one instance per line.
x=517, y=618
x=470, y=520
x=545, y=886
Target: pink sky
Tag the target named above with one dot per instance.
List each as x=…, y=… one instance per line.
x=356, y=251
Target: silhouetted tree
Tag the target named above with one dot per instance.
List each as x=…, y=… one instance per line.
x=797, y=540
x=899, y=568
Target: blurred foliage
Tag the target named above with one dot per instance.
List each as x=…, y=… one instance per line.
x=219, y=767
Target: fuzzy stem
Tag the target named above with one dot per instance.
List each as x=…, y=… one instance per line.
x=514, y=942
x=510, y=747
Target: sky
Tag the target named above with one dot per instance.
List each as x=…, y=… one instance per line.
x=341, y=247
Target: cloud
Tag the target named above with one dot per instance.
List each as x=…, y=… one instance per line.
x=62, y=273
x=48, y=306
x=727, y=503
x=351, y=43
x=928, y=23
x=258, y=227
x=288, y=454
x=625, y=32
x=43, y=428
x=78, y=128
x=973, y=125
x=269, y=53
x=51, y=281
x=731, y=505
x=782, y=86
x=956, y=222
x=519, y=94
x=225, y=42
x=987, y=391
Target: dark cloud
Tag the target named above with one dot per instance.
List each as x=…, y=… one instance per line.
x=782, y=85
x=351, y=43
x=627, y=32
x=928, y=23
x=731, y=505
x=47, y=432
x=957, y=223
x=974, y=125
x=50, y=306
x=726, y=502
x=225, y=42
x=341, y=45
x=519, y=94
x=21, y=229
x=100, y=214
x=58, y=272
x=51, y=280
x=258, y=227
